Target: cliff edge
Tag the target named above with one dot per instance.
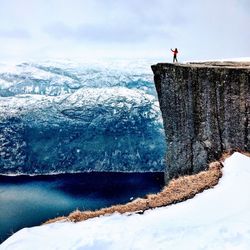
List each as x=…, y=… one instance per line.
x=205, y=110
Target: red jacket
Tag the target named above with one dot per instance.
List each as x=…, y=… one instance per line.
x=175, y=51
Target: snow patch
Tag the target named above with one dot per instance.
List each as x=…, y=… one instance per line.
x=238, y=59
x=216, y=219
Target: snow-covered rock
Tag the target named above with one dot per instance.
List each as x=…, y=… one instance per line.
x=58, y=117
x=61, y=77
x=216, y=219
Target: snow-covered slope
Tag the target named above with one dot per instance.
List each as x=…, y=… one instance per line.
x=216, y=219
x=64, y=116
x=66, y=76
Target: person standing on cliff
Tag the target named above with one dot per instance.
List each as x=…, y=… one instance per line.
x=175, y=55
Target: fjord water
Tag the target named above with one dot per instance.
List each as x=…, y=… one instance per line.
x=31, y=200
x=64, y=117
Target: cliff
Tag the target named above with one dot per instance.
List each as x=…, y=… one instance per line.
x=205, y=109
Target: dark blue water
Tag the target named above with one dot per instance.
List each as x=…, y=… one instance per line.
x=27, y=201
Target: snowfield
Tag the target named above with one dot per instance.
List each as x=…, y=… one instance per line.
x=218, y=218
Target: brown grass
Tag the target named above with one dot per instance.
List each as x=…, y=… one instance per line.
x=229, y=152
x=177, y=190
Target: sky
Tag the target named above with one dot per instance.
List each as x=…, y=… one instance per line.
x=201, y=30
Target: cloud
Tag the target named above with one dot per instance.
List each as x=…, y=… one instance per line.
x=132, y=32
x=121, y=22
x=200, y=29
x=14, y=33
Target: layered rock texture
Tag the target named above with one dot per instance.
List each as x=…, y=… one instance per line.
x=205, y=109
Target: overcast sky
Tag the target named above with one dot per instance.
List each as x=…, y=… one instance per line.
x=200, y=29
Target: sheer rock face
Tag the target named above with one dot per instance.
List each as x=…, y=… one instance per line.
x=205, y=109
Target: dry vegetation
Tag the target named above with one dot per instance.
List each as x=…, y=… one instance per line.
x=177, y=190
x=229, y=152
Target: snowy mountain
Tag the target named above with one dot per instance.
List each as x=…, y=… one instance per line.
x=61, y=77
x=65, y=116
x=216, y=219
